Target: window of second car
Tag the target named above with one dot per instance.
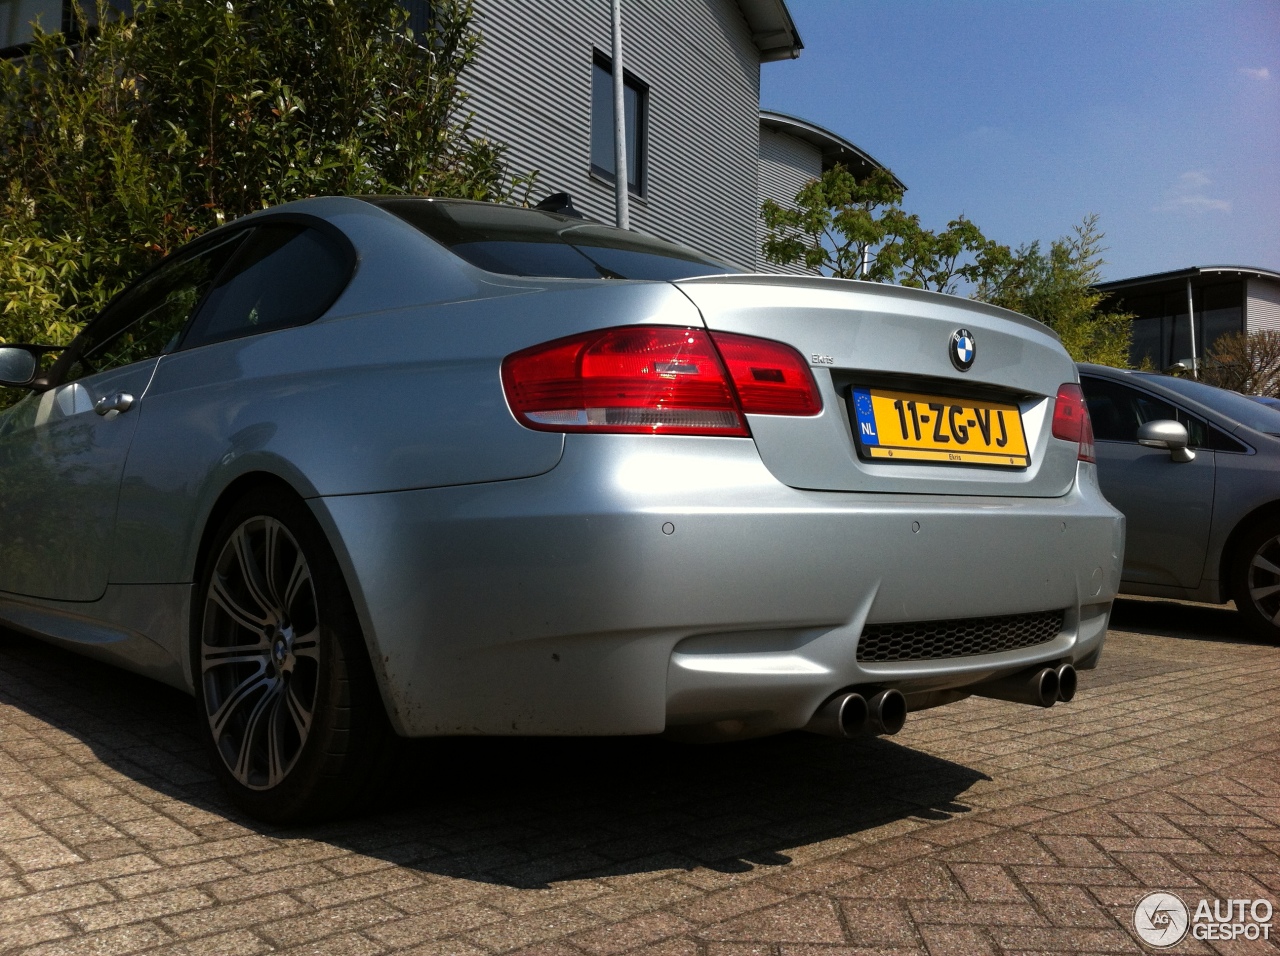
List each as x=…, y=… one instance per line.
x=285, y=274
x=1117, y=410
x=146, y=320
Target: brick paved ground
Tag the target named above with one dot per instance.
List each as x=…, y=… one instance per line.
x=983, y=827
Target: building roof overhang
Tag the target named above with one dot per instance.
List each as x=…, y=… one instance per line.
x=1177, y=279
x=834, y=149
x=772, y=29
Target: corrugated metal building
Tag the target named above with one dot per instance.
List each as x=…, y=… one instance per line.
x=693, y=82
x=794, y=151
x=1222, y=300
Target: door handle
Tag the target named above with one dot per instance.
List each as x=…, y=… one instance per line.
x=119, y=402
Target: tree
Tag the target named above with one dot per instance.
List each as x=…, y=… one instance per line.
x=118, y=147
x=1057, y=288
x=1248, y=363
x=857, y=229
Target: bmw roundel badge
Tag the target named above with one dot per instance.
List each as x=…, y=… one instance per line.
x=963, y=349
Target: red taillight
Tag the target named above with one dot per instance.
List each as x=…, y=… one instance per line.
x=770, y=378
x=656, y=379
x=1071, y=420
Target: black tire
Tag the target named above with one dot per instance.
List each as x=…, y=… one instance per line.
x=1254, y=578
x=288, y=704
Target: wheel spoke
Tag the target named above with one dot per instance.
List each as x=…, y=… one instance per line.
x=275, y=763
x=307, y=645
x=1259, y=593
x=270, y=559
x=218, y=720
x=252, y=574
x=300, y=576
x=220, y=596
x=242, y=767
x=300, y=714
x=1260, y=562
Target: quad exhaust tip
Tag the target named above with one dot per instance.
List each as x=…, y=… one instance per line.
x=851, y=714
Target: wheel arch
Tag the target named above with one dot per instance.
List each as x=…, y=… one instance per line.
x=1268, y=511
x=251, y=481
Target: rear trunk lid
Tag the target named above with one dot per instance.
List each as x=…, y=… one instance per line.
x=882, y=357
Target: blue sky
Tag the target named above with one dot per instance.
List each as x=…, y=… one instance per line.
x=1025, y=115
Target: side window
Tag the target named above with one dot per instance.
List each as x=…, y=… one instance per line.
x=1117, y=411
x=146, y=320
x=283, y=275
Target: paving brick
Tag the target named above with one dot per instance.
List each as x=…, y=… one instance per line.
x=950, y=940
x=631, y=933
x=809, y=919
x=878, y=923
x=319, y=924
x=111, y=942
x=21, y=908
x=270, y=910
x=434, y=924
x=984, y=828
x=987, y=883
x=134, y=911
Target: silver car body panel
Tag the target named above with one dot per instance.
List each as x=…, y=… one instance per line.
x=513, y=581
x=849, y=330
x=557, y=604
x=1181, y=515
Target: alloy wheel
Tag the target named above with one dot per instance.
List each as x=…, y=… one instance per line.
x=1263, y=580
x=260, y=652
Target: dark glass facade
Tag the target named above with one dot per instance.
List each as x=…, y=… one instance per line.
x=1161, y=333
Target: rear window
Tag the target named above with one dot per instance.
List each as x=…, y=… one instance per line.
x=531, y=242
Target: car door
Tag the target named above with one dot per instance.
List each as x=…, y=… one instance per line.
x=1168, y=505
x=63, y=449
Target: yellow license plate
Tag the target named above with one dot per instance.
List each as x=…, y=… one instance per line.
x=906, y=425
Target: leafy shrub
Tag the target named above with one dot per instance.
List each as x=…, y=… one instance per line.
x=117, y=148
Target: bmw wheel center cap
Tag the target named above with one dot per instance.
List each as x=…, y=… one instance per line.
x=963, y=349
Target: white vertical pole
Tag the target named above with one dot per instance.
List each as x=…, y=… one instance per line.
x=1191, y=320
x=621, y=198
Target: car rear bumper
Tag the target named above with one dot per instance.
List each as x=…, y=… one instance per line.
x=648, y=583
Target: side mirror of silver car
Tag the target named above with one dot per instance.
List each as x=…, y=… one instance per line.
x=1167, y=434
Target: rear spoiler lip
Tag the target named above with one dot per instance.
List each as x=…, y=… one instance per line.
x=870, y=288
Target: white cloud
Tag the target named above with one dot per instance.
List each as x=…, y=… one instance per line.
x=1256, y=73
x=1191, y=194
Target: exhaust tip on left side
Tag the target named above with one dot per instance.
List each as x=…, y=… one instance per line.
x=850, y=715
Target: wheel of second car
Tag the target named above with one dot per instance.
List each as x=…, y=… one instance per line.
x=1255, y=578
x=288, y=703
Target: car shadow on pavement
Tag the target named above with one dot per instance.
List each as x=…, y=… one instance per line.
x=1181, y=619
x=520, y=812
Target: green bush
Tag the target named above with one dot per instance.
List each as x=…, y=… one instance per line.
x=116, y=149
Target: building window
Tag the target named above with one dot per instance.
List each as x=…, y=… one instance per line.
x=1161, y=334
x=635, y=100
x=18, y=17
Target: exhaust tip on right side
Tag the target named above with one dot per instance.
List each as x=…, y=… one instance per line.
x=1038, y=687
x=1067, y=682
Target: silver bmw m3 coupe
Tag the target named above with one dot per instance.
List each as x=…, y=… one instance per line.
x=352, y=469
